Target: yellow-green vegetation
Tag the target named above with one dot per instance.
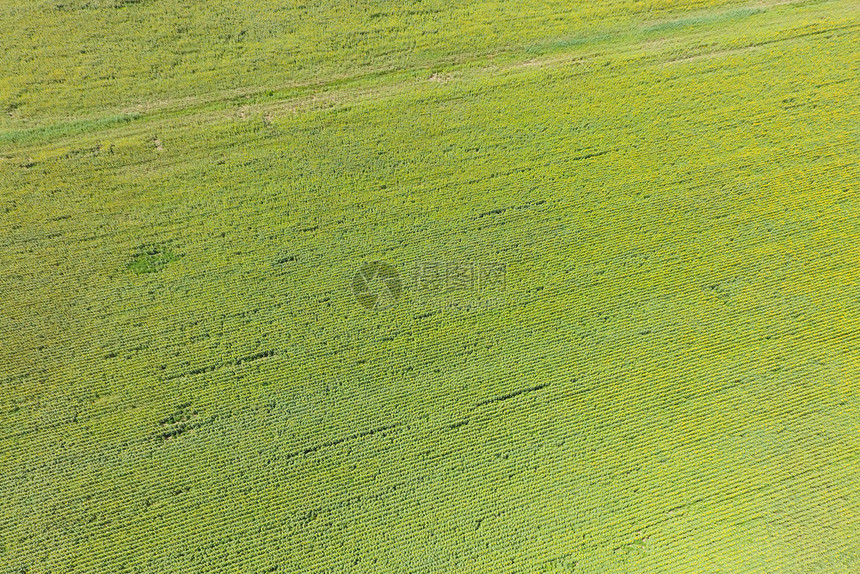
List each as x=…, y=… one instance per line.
x=667, y=382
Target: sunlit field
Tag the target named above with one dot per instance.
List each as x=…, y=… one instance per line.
x=617, y=327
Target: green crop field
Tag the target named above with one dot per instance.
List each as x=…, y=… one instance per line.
x=616, y=328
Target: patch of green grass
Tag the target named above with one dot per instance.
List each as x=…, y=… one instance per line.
x=702, y=19
x=60, y=130
x=151, y=260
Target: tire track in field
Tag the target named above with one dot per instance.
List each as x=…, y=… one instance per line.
x=397, y=427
